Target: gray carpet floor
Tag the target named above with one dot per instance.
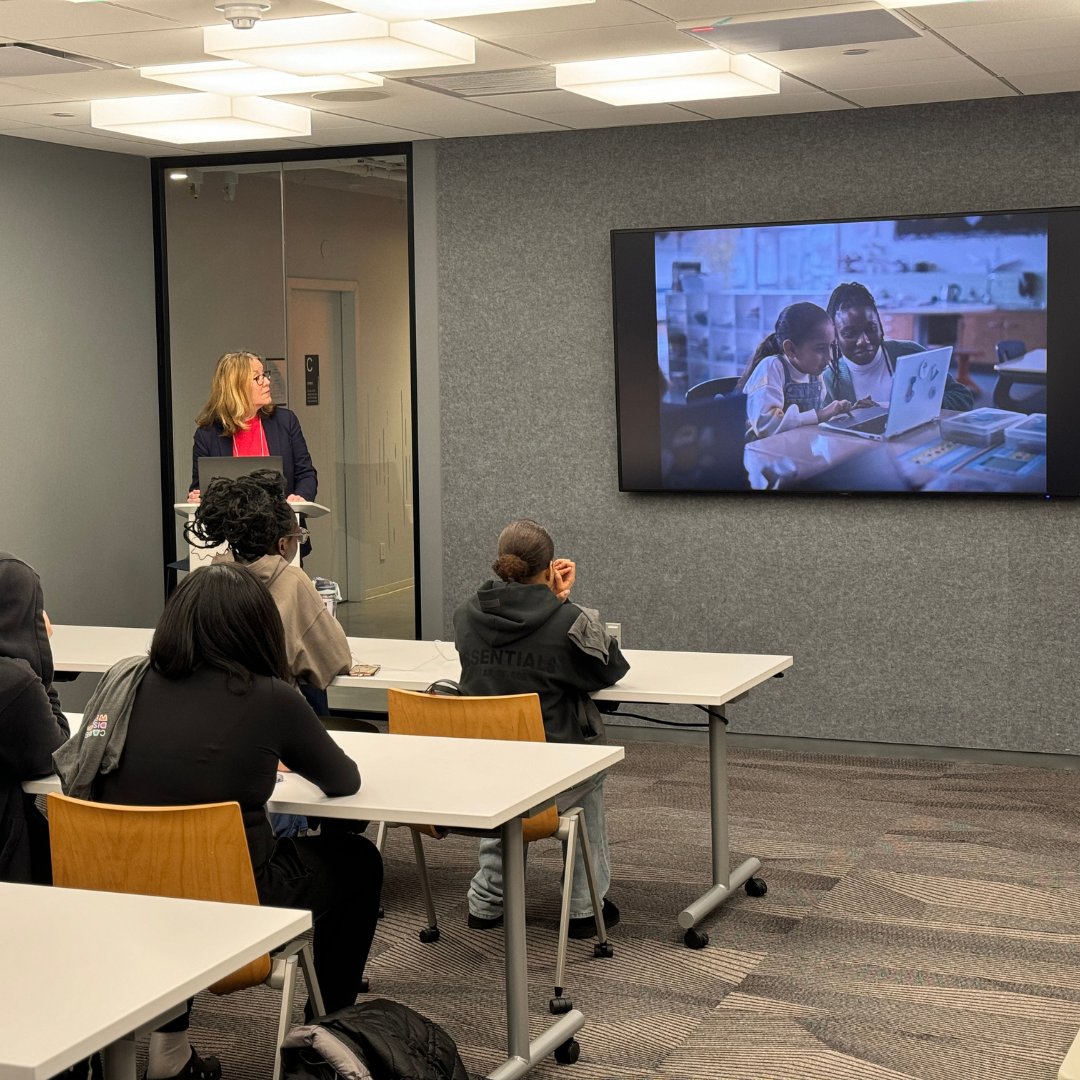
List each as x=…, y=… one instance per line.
x=922, y=921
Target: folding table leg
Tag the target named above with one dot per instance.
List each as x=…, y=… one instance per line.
x=725, y=880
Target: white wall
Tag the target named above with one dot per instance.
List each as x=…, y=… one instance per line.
x=78, y=368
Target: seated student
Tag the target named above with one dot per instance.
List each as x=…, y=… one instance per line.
x=210, y=716
x=521, y=635
x=862, y=368
x=783, y=382
x=32, y=724
x=252, y=516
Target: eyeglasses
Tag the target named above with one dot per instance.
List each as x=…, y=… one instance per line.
x=301, y=534
x=262, y=377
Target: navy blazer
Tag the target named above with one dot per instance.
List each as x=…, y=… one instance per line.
x=283, y=436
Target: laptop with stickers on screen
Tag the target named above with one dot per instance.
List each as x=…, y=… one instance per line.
x=918, y=388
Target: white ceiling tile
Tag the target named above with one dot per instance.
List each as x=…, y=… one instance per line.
x=554, y=20
x=90, y=141
x=345, y=129
x=874, y=96
x=630, y=115
x=543, y=104
x=172, y=46
x=638, y=40
x=202, y=13
x=14, y=94
x=32, y=20
x=768, y=105
x=89, y=85
x=944, y=16
x=1028, y=61
x=42, y=113
x=1005, y=36
x=1051, y=82
x=806, y=63
x=480, y=120
x=908, y=73
x=370, y=136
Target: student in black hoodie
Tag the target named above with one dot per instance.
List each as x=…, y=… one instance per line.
x=521, y=635
x=32, y=724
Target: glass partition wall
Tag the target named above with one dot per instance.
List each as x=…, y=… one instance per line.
x=305, y=262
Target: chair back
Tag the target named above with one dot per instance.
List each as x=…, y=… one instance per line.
x=188, y=852
x=513, y=716
x=1009, y=349
x=711, y=388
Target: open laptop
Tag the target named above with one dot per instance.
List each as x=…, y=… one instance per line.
x=918, y=388
x=232, y=468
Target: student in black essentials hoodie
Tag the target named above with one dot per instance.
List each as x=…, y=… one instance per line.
x=521, y=635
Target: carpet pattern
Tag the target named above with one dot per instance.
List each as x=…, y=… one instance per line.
x=922, y=923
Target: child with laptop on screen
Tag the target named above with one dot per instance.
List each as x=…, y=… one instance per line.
x=783, y=382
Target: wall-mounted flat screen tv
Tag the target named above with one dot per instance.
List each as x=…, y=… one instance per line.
x=922, y=354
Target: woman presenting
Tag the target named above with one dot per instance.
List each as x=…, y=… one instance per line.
x=240, y=420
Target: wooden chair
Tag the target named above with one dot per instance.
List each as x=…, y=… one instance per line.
x=188, y=852
x=517, y=717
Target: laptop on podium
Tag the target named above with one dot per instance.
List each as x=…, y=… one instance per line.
x=918, y=388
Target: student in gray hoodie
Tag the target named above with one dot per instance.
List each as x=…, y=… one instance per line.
x=521, y=634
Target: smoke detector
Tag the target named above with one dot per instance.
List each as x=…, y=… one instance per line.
x=242, y=15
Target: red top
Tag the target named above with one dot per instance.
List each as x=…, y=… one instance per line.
x=251, y=443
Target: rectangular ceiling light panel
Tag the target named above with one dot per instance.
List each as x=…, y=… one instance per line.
x=199, y=118
x=649, y=80
x=397, y=10
x=340, y=44
x=242, y=80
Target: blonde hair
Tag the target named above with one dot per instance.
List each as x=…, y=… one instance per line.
x=229, y=403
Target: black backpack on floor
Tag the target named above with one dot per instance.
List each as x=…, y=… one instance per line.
x=380, y=1039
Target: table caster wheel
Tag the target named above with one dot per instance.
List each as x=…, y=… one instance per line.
x=603, y=949
x=568, y=1052
x=429, y=934
x=365, y=986
x=756, y=887
x=382, y=913
x=695, y=939
x=559, y=1005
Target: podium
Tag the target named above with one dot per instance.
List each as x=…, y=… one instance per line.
x=203, y=556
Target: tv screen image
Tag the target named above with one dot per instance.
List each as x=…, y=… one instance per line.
x=876, y=355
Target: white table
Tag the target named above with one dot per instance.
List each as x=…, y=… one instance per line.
x=465, y=784
x=84, y=969
x=655, y=677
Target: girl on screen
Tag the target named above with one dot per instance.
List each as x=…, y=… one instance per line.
x=782, y=382
x=861, y=369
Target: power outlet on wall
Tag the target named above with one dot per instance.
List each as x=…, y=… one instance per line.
x=382, y=553
x=614, y=629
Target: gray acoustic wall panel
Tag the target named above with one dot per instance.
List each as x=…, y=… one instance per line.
x=81, y=484
x=936, y=621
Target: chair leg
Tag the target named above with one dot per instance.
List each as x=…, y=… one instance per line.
x=602, y=948
x=380, y=844
x=287, y=975
x=568, y=829
x=430, y=933
x=307, y=966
